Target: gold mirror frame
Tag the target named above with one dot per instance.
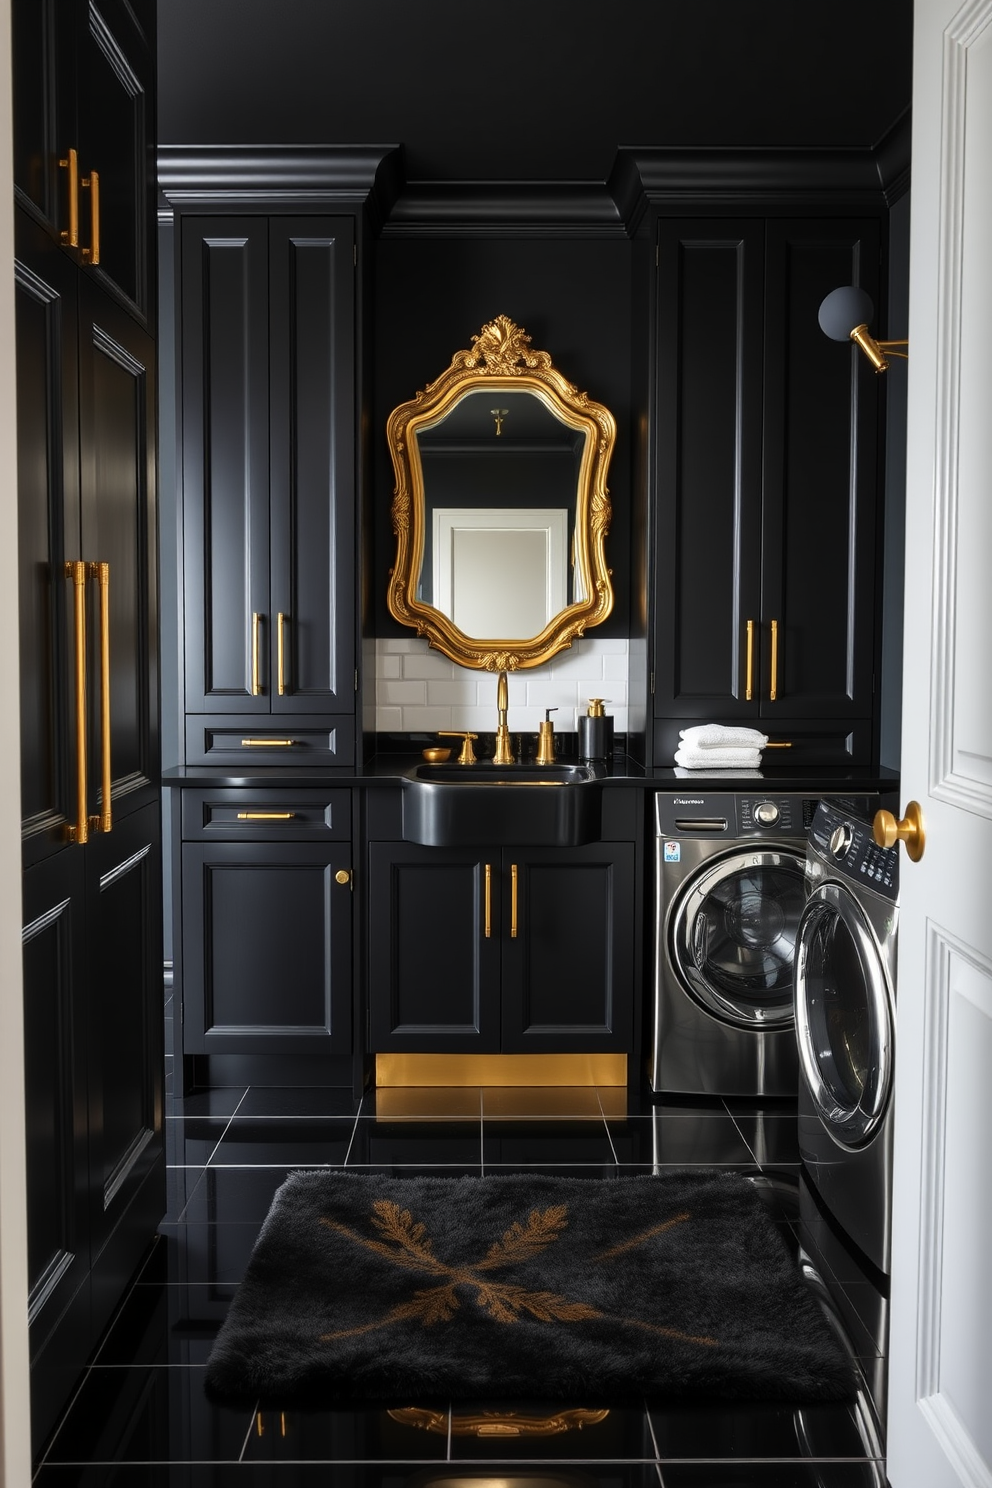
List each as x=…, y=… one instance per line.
x=501, y=361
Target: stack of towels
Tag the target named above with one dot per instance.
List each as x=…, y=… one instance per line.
x=713, y=746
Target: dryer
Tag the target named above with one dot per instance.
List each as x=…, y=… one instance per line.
x=845, y=1026
x=729, y=895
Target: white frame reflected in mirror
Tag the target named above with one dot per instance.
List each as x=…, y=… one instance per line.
x=499, y=571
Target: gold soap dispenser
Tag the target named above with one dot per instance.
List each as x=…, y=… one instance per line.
x=546, y=739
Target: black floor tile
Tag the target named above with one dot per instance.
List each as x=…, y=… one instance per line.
x=264, y=1101
x=772, y=1475
x=753, y=1430
x=773, y=1140
x=207, y=1102
x=344, y=1434
x=689, y=1138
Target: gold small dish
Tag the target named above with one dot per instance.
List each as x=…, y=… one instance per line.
x=437, y=756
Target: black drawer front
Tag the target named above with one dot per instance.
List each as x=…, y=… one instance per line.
x=230, y=814
x=218, y=739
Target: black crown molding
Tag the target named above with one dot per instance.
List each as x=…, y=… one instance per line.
x=511, y=209
x=707, y=178
x=281, y=177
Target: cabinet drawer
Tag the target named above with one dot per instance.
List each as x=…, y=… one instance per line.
x=219, y=739
x=227, y=814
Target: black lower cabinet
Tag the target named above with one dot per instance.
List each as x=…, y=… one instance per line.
x=267, y=949
x=93, y=1071
x=511, y=950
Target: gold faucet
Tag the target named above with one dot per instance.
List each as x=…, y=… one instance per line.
x=504, y=754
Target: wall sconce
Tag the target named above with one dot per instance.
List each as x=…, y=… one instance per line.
x=844, y=316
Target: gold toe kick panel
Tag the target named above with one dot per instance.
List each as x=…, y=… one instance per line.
x=500, y=1069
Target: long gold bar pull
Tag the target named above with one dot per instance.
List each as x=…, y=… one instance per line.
x=267, y=743
x=255, y=684
x=749, y=664
x=76, y=571
x=266, y=815
x=91, y=255
x=70, y=162
x=513, y=901
x=281, y=653
x=489, y=901
x=773, y=682
x=104, y=821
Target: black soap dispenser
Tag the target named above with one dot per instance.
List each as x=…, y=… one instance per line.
x=595, y=732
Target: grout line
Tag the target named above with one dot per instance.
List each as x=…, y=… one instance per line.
x=247, y=1439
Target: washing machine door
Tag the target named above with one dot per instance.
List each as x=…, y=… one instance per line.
x=844, y=1023
x=732, y=935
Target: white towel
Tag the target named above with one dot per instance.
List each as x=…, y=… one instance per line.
x=718, y=759
x=721, y=736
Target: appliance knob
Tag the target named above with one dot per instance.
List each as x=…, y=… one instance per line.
x=766, y=813
x=840, y=839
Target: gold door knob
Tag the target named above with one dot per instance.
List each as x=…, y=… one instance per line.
x=911, y=830
x=342, y=876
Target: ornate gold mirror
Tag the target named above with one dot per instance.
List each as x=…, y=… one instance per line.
x=501, y=507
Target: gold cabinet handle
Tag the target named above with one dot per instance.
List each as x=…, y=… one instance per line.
x=489, y=901
x=281, y=653
x=70, y=163
x=773, y=680
x=91, y=254
x=749, y=663
x=255, y=622
x=266, y=815
x=267, y=743
x=76, y=571
x=343, y=876
x=104, y=821
x=911, y=830
x=513, y=901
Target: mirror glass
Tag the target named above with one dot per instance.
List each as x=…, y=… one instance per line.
x=500, y=507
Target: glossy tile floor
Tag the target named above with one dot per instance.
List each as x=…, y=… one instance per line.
x=140, y=1416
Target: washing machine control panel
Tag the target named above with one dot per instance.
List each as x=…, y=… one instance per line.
x=771, y=815
x=845, y=842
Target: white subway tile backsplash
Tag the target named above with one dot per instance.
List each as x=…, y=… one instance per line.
x=419, y=690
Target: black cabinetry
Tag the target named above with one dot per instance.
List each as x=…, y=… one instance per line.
x=269, y=487
x=267, y=916
x=511, y=950
x=766, y=482
x=91, y=836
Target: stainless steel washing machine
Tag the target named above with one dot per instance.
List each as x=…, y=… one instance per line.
x=729, y=894
x=845, y=1026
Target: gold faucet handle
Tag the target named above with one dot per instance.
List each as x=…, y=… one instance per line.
x=467, y=755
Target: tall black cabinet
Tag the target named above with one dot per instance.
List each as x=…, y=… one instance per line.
x=269, y=261
x=84, y=109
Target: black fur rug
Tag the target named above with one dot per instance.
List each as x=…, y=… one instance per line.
x=454, y=1288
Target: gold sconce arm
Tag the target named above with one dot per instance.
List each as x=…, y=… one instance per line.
x=844, y=315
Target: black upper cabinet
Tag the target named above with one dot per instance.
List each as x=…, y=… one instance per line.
x=767, y=456
x=83, y=112
x=269, y=483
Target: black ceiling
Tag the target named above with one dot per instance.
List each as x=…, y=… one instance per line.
x=530, y=90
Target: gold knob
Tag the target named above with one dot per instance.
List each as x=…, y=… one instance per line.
x=910, y=830
x=342, y=876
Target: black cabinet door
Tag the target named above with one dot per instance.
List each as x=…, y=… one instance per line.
x=708, y=473
x=820, y=480
x=83, y=111
x=766, y=483
x=568, y=949
x=434, y=949
x=117, y=528
x=266, y=948
x=57, y=1121
x=269, y=465
x=48, y=534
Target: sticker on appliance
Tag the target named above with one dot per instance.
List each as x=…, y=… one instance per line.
x=672, y=852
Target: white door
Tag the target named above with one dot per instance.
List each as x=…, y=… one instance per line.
x=940, y=1396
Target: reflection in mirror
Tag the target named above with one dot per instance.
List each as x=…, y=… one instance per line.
x=501, y=507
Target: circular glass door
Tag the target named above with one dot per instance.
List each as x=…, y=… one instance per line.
x=733, y=935
x=843, y=1016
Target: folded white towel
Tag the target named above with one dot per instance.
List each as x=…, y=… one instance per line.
x=718, y=759
x=722, y=736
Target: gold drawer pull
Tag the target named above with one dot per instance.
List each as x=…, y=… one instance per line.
x=749, y=665
x=773, y=684
x=91, y=255
x=513, y=901
x=267, y=743
x=489, y=901
x=281, y=654
x=256, y=686
x=266, y=815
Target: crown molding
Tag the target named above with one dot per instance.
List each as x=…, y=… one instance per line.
x=512, y=209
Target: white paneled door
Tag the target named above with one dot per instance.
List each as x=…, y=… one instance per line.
x=940, y=1420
